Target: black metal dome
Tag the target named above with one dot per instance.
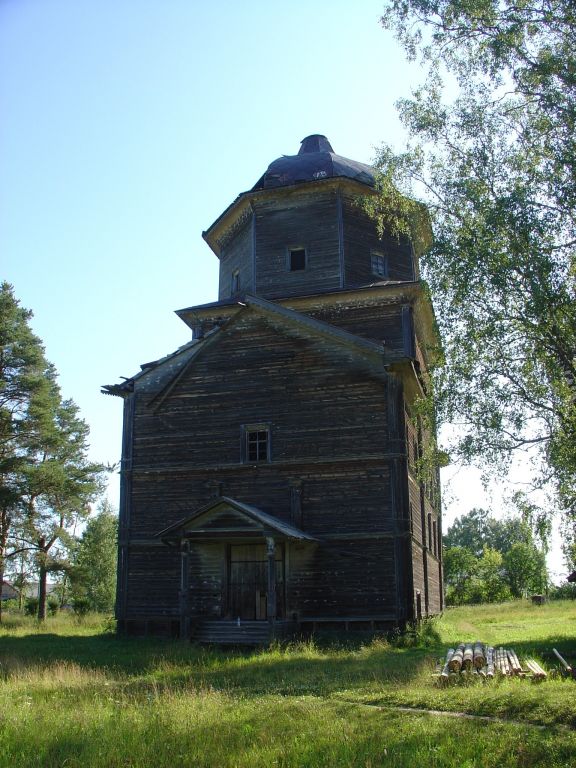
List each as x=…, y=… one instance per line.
x=316, y=160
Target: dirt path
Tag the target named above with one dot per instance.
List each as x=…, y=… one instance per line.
x=460, y=715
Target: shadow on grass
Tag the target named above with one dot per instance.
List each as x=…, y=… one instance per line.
x=286, y=670
x=319, y=667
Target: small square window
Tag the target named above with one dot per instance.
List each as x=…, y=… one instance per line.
x=379, y=264
x=256, y=447
x=296, y=259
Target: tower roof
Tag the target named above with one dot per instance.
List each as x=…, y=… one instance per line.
x=315, y=160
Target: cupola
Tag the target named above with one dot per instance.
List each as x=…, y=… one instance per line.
x=302, y=230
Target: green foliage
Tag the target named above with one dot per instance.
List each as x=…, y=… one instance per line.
x=94, y=572
x=490, y=574
x=565, y=591
x=31, y=606
x=489, y=560
x=420, y=634
x=46, y=479
x=460, y=566
x=477, y=529
x=525, y=570
x=26, y=386
x=470, y=531
x=496, y=168
x=473, y=580
x=53, y=605
x=81, y=606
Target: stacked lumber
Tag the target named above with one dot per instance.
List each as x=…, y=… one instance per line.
x=514, y=663
x=537, y=671
x=478, y=659
x=455, y=663
x=501, y=662
x=445, y=672
x=490, y=668
x=479, y=655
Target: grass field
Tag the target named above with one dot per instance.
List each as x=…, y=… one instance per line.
x=75, y=695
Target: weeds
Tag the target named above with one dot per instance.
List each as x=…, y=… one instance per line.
x=73, y=694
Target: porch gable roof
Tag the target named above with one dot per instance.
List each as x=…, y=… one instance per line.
x=247, y=519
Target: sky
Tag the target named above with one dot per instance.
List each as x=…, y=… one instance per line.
x=128, y=126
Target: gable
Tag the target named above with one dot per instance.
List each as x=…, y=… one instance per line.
x=260, y=335
x=223, y=519
x=228, y=518
x=319, y=397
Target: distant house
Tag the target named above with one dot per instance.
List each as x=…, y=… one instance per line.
x=31, y=589
x=572, y=577
x=9, y=592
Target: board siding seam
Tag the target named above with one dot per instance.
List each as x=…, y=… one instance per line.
x=254, y=270
x=340, y=237
x=271, y=467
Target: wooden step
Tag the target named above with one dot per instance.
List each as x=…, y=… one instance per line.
x=232, y=633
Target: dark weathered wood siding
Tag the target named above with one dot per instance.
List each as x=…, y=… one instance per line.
x=328, y=416
x=342, y=579
x=300, y=220
x=153, y=580
x=319, y=402
x=382, y=324
x=343, y=448
x=238, y=255
x=361, y=238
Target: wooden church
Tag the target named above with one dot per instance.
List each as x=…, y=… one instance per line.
x=268, y=481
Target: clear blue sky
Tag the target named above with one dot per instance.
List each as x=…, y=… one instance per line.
x=128, y=126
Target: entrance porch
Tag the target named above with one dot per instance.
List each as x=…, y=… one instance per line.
x=234, y=570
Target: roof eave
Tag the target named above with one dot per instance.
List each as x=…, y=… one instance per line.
x=233, y=213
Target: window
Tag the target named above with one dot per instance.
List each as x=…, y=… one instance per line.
x=235, y=282
x=256, y=444
x=296, y=259
x=379, y=264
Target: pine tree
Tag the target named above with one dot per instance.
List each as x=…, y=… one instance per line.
x=46, y=479
x=26, y=382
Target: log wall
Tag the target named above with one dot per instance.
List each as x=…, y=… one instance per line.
x=340, y=436
x=238, y=255
x=309, y=221
x=338, y=236
x=361, y=238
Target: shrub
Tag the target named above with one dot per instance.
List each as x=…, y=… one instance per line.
x=565, y=591
x=53, y=606
x=81, y=606
x=31, y=606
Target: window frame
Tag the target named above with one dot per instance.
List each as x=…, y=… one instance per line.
x=252, y=429
x=378, y=257
x=290, y=249
x=235, y=282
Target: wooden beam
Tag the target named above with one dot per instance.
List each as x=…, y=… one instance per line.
x=271, y=591
x=184, y=586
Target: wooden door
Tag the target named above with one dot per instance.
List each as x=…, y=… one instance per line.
x=248, y=581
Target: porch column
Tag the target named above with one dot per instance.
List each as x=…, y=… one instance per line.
x=271, y=594
x=184, y=584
